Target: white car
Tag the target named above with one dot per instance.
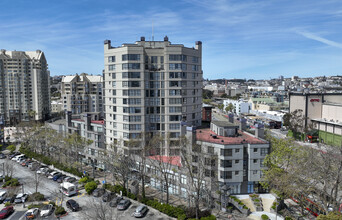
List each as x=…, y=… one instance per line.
x=42, y=170
x=52, y=174
x=32, y=213
x=46, y=210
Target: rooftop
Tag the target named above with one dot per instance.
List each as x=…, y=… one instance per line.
x=173, y=160
x=101, y=122
x=207, y=136
x=224, y=124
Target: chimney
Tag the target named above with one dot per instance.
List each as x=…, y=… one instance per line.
x=243, y=124
x=166, y=38
x=108, y=43
x=231, y=118
x=142, y=38
x=260, y=132
x=198, y=45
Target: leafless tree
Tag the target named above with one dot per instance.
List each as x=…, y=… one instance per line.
x=36, y=181
x=99, y=211
x=8, y=169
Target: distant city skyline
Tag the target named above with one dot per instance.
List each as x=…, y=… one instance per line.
x=241, y=39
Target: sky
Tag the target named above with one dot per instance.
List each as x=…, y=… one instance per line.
x=241, y=38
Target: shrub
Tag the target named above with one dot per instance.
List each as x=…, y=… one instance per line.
x=256, y=200
x=175, y=212
x=52, y=203
x=11, y=182
x=36, y=197
x=7, y=204
x=288, y=218
x=35, y=206
x=90, y=187
x=11, y=148
x=83, y=180
x=264, y=217
x=59, y=211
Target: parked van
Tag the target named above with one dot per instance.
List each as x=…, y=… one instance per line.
x=16, y=157
x=68, y=189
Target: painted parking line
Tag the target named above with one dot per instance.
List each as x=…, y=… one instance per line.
x=80, y=195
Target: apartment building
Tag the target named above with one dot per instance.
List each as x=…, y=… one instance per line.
x=152, y=86
x=82, y=93
x=240, y=107
x=88, y=126
x=24, y=86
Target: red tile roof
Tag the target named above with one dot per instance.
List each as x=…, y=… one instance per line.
x=204, y=135
x=173, y=160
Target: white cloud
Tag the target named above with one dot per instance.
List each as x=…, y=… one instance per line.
x=320, y=39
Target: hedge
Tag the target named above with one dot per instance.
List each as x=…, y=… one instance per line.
x=264, y=217
x=59, y=211
x=11, y=182
x=36, y=197
x=35, y=206
x=47, y=160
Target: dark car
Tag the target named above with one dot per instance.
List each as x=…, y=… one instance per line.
x=56, y=176
x=60, y=179
x=13, y=155
x=5, y=212
x=21, y=197
x=108, y=196
x=98, y=192
x=73, y=205
x=140, y=211
x=3, y=196
x=10, y=198
x=115, y=201
x=26, y=163
x=70, y=179
x=124, y=204
x=2, y=156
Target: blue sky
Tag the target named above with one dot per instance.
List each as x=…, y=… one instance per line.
x=241, y=38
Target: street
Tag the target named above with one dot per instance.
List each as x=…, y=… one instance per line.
x=87, y=203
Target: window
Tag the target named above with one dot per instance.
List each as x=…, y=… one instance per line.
x=177, y=57
x=255, y=172
x=114, y=83
x=210, y=150
x=226, y=152
x=131, y=66
x=134, y=118
x=130, y=57
x=113, y=76
x=131, y=109
x=236, y=161
x=175, y=101
x=131, y=75
x=194, y=67
x=255, y=150
x=175, y=75
x=132, y=101
x=236, y=173
x=255, y=161
x=226, y=163
x=174, y=126
x=154, y=59
x=132, y=127
x=262, y=163
x=237, y=150
x=111, y=67
x=177, y=66
x=174, y=83
x=195, y=59
x=183, y=179
x=175, y=117
x=130, y=83
x=174, y=92
x=194, y=158
x=131, y=92
x=207, y=173
x=226, y=174
x=175, y=109
x=264, y=151
x=111, y=59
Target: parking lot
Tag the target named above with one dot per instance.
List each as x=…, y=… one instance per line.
x=88, y=204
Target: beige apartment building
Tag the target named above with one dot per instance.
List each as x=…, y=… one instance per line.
x=151, y=86
x=24, y=87
x=82, y=93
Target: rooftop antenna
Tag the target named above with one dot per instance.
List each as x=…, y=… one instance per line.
x=152, y=32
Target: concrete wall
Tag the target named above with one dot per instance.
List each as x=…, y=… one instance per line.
x=332, y=112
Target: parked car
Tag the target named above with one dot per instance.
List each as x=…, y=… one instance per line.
x=3, y=196
x=32, y=213
x=2, y=156
x=46, y=172
x=60, y=179
x=98, y=192
x=13, y=155
x=46, y=210
x=108, y=196
x=5, y=212
x=70, y=179
x=124, y=204
x=33, y=165
x=51, y=175
x=10, y=198
x=140, y=211
x=26, y=162
x=15, y=158
x=21, y=197
x=42, y=170
x=73, y=205
x=21, y=159
x=56, y=176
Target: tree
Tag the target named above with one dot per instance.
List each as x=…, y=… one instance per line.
x=207, y=94
x=77, y=145
x=224, y=96
x=330, y=216
x=196, y=162
x=8, y=169
x=99, y=211
x=220, y=106
x=229, y=108
x=36, y=181
x=11, y=148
